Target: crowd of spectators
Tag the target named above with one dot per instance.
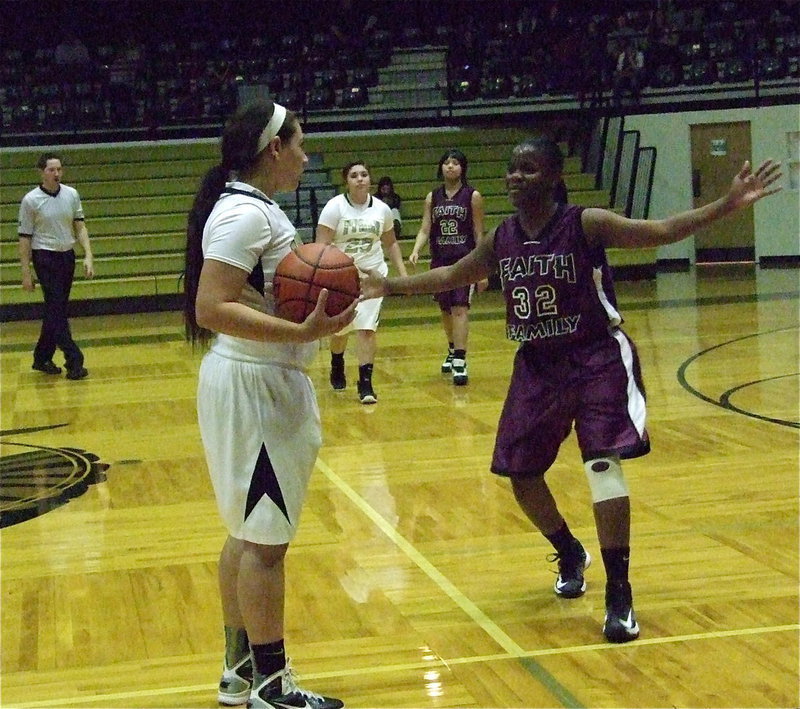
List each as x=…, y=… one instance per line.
x=615, y=52
x=187, y=65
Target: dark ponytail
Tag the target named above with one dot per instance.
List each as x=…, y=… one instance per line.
x=239, y=146
x=210, y=189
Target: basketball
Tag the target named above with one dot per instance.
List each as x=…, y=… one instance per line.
x=304, y=272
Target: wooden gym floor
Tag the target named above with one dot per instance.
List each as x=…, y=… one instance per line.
x=415, y=580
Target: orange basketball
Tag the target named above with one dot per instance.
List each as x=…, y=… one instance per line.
x=304, y=272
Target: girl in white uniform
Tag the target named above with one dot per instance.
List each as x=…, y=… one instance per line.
x=256, y=405
x=363, y=227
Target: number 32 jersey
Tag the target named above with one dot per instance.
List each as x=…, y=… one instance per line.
x=558, y=289
x=452, y=235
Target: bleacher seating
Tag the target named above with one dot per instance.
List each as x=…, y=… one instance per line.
x=410, y=159
x=189, y=80
x=136, y=198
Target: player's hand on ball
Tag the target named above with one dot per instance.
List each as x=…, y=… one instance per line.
x=320, y=323
x=303, y=273
x=373, y=286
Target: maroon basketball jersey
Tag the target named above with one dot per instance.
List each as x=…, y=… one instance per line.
x=558, y=290
x=452, y=235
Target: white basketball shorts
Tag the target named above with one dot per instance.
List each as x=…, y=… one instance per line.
x=261, y=431
x=368, y=313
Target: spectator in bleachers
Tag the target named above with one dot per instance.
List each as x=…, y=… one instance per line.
x=467, y=48
x=71, y=53
x=557, y=20
x=528, y=21
x=387, y=194
x=596, y=67
x=122, y=73
x=679, y=19
x=656, y=24
x=556, y=58
x=527, y=26
x=73, y=66
x=628, y=73
x=354, y=24
x=662, y=51
x=622, y=33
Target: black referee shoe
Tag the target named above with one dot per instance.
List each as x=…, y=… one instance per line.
x=47, y=367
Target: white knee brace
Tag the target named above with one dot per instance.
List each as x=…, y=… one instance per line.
x=606, y=480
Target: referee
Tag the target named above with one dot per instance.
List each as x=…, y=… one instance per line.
x=50, y=221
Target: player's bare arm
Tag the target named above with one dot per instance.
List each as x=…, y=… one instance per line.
x=478, y=214
x=612, y=230
x=25, y=258
x=219, y=309
x=424, y=232
x=82, y=236
x=473, y=267
x=324, y=234
x=392, y=249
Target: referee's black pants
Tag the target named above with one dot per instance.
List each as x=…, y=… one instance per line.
x=55, y=271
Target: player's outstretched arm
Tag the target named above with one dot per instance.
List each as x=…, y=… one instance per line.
x=747, y=187
x=473, y=267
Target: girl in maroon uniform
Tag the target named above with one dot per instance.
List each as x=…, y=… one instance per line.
x=453, y=223
x=575, y=367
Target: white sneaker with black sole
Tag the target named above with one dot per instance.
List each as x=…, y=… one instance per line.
x=447, y=365
x=460, y=377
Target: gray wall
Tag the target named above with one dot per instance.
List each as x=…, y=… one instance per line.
x=777, y=218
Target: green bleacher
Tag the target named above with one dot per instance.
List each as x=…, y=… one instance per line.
x=136, y=197
x=413, y=171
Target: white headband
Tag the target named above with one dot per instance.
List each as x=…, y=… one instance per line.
x=273, y=126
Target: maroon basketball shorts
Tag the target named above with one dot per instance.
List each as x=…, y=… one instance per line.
x=458, y=297
x=595, y=387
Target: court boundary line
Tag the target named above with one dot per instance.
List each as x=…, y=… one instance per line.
x=513, y=651
x=722, y=402
x=421, y=561
x=410, y=666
